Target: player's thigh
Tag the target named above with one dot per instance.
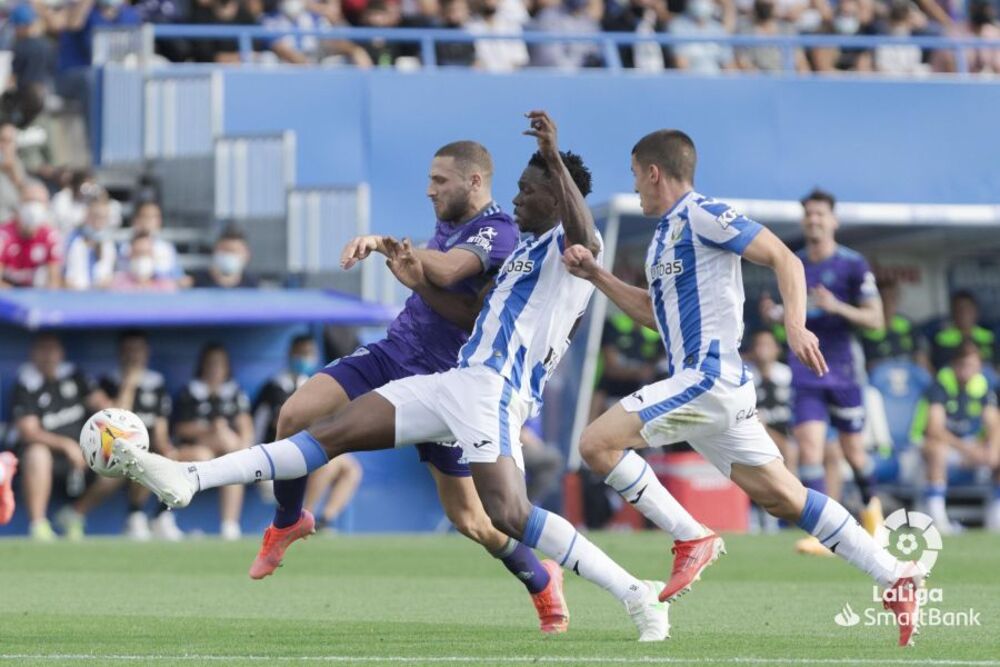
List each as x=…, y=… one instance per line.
x=746, y=443
x=684, y=406
x=320, y=396
x=616, y=429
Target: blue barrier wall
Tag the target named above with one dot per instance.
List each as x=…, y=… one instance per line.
x=760, y=137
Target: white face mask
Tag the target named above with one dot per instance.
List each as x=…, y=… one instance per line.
x=33, y=214
x=142, y=267
x=292, y=8
x=846, y=25
x=227, y=263
x=701, y=9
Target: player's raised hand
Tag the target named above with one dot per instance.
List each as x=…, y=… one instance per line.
x=404, y=263
x=804, y=344
x=543, y=128
x=359, y=248
x=580, y=262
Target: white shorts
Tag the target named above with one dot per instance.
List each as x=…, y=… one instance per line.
x=717, y=418
x=473, y=407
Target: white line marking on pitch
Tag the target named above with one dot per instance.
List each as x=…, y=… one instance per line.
x=646, y=660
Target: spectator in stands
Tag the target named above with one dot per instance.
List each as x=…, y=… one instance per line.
x=383, y=14
x=765, y=23
x=773, y=381
x=136, y=387
x=455, y=15
x=497, y=55
x=91, y=256
x=643, y=17
x=850, y=19
x=339, y=478
x=139, y=274
x=229, y=262
x=301, y=49
x=30, y=249
x=899, y=58
x=699, y=20
x=898, y=339
x=33, y=64
x=69, y=204
x=543, y=464
x=964, y=326
x=148, y=218
x=221, y=13
x=963, y=434
x=52, y=400
x=983, y=24
x=75, y=23
x=580, y=17
x=212, y=411
x=631, y=356
x=12, y=174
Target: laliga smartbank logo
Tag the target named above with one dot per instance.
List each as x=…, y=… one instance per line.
x=910, y=537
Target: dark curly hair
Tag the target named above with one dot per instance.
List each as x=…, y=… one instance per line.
x=577, y=169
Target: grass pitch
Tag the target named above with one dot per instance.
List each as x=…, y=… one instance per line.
x=419, y=600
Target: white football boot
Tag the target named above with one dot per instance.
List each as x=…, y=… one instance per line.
x=167, y=479
x=649, y=614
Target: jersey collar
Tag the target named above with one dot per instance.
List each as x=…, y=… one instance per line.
x=677, y=205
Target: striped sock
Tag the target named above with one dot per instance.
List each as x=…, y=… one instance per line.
x=635, y=481
x=837, y=530
x=290, y=458
x=558, y=539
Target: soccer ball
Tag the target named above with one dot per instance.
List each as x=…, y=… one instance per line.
x=100, y=432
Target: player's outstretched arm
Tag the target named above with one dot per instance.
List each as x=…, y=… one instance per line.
x=633, y=300
x=577, y=220
x=359, y=248
x=768, y=250
x=445, y=269
x=459, y=309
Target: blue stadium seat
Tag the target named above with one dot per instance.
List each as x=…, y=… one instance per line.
x=902, y=385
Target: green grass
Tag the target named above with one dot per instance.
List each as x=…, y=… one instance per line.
x=425, y=599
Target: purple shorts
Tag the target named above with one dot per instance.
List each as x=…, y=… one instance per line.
x=368, y=368
x=842, y=407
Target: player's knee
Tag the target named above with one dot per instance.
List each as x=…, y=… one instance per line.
x=291, y=420
x=594, y=451
x=37, y=457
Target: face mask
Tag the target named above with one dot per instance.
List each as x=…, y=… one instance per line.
x=111, y=4
x=846, y=25
x=142, y=268
x=33, y=214
x=292, y=8
x=700, y=9
x=227, y=263
x=96, y=235
x=304, y=365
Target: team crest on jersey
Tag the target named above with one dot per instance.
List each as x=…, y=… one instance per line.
x=483, y=238
x=677, y=232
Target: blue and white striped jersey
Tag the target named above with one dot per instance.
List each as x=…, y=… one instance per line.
x=696, y=285
x=527, y=318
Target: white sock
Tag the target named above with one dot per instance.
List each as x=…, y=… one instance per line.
x=558, y=539
x=290, y=458
x=634, y=480
x=837, y=530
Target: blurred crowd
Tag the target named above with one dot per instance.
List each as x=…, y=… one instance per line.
x=52, y=40
x=79, y=238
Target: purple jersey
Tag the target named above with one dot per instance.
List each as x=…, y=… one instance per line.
x=847, y=275
x=420, y=340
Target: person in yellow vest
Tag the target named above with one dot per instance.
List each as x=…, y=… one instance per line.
x=962, y=444
x=898, y=338
x=964, y=326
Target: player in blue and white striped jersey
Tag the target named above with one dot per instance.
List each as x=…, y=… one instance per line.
x=518, y=337
x=695, y=300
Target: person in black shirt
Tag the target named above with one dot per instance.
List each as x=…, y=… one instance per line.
x=773, y=381
x=342, y=475
x=52, y=401
x=212, y=411
x=230, y=257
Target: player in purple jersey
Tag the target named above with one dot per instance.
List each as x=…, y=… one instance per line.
x=842, y=298
x=472, y=238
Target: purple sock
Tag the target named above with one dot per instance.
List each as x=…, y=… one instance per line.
x=524, y=564
x=290, y=493
x=813, y=477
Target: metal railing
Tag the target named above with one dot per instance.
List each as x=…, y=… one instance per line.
x=608, y=42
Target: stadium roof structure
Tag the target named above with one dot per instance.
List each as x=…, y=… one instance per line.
x=42, y=309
